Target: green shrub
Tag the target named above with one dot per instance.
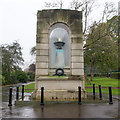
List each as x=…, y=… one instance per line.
x=31, y=76
x=14, y=79
x=19, y=76
x=100, y=75
x=115, y=75
x=3, y=80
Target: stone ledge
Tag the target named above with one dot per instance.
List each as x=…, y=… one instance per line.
x=59, y=84
x=51, y=78
x=42, y=78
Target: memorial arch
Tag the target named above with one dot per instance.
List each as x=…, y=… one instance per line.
x=59, y=26
x=59, y=31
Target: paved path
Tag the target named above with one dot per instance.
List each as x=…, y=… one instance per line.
x=94, y=110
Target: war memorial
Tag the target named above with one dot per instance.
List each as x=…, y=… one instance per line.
x=59, y=54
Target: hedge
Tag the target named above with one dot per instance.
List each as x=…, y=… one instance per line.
x=115, y=75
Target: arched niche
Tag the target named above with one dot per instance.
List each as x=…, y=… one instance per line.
x=62, y=31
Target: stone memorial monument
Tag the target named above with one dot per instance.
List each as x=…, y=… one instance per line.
x=59, y=51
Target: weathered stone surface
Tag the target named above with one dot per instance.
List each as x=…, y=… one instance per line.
x=76, y=40
x=77, y=59
x=77, y=71
x=42, y=35
x=60, y=14
x=60, y=84
x=42, y=46
x=77, y=52
x=62, y=95
x=42, y=38
x=41, y=72
x=78, y=65
x=42, y=27
x=42, y=65
x=44, y=31
x=76, y=35
x=42, y=52
x=41, y=58
x=77, y=46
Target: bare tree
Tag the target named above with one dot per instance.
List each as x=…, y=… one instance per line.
x=33, y=51
x=108, y=12
x=86, y=7
x=76, y=4
x=55, y=4
x=102, y=35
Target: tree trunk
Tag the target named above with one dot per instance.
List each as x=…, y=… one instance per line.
x=92, y=71
x=86, y=78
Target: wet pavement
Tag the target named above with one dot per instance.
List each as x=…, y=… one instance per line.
x=72, y=110
x=62, y=111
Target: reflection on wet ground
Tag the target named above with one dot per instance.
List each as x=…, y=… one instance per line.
x=73, y=110
x=63, y=111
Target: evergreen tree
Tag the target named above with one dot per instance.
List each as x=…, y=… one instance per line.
x=11, y=59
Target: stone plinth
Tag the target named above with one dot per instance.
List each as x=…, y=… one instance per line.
x=61, y=95
x=60, y=87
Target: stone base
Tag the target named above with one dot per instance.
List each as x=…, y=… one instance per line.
x=58, y=83
x=59, y=88
x=60, y=95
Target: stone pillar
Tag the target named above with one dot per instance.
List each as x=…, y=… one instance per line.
x=77, y=59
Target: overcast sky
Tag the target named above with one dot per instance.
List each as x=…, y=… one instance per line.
x=18, y=22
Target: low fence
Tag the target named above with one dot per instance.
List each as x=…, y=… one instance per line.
x=17, y=94
x=42, y=94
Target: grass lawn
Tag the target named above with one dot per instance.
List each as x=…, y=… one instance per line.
x=104, y=91
x=29, y=88
x=104, y=82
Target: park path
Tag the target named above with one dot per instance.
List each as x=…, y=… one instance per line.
x=18, y=84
